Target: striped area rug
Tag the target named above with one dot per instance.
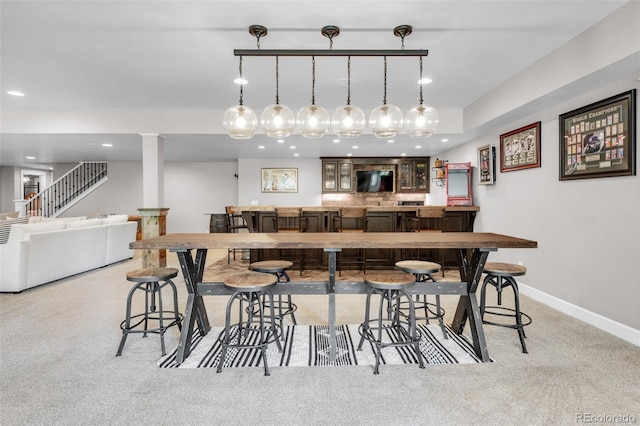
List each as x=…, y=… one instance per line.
x=307, y=345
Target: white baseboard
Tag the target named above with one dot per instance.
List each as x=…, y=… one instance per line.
x=603, y=323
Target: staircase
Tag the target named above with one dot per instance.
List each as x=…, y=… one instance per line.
x=76, y=184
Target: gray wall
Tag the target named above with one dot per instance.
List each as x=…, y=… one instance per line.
x=309, y=182
x=588, y=231
x=191, y=191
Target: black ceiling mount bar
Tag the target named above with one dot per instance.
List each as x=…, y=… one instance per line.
x=329, y=31
x=329, y=52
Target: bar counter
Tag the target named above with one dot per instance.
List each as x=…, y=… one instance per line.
x=260, y=219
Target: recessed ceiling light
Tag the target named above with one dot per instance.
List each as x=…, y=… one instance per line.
x=390, y=141
x=296, y=155
x=418, y=146
x=280, y=140
x=292, y=147
x=404, y=154
x=444, y=140
x=336, y=141
x=349, y=154
x=425, y=80
x=15, y=93
x=261, y=147
x=240, y=81
x=30, y=157
x=355, y=147
x=107, y=145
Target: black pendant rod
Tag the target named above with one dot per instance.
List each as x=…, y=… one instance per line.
x=328, y=52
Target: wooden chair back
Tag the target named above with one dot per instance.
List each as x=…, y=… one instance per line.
x=356, y=219
x=288, y=219
x=428, y=218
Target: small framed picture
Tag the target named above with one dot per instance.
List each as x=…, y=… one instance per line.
x=279, y=180
x=486, y=165
x=520, y=148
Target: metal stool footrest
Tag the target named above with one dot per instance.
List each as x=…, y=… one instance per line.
x=500, y=276
x=149, y=282
x=507, y=312
x=403, y=328
x=257, y=331
x=133, y=327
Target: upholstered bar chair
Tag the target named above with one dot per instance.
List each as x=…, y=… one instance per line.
x=428, y=219
x=352, y=219
x=290, y=219
x=235, y=222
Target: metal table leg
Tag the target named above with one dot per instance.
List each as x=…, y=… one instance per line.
x=471, y=271
x=195, y=309
x=333, y=342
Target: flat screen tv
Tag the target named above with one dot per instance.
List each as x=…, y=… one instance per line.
x=374, y=181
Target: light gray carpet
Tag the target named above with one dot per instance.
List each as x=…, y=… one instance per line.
x=57, y=367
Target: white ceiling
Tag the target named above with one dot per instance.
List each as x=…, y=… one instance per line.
x=97, y=57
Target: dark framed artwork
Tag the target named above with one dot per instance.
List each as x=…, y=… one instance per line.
x=520, y=148
x=599, y=140
x=486, y=165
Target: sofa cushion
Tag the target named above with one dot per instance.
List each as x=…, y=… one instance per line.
x=115, y=218
x=5, y=227
x=19, y=232
x=83, y=223
x=10, y=215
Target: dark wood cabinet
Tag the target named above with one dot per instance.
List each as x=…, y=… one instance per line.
x=337, y=175
x=413, y=175
x=380, y=219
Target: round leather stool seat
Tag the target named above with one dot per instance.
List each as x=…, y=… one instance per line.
x=418, y=266
x=392, y=287
x=279, y=269
x=152, y=274
x=389, y=280
x=250, y=281
x=151, y=281
x=504, y=269
x=271, y=266
x=254, y=289
x=500, y=275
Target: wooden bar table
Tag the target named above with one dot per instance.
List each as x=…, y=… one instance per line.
x=472, y=248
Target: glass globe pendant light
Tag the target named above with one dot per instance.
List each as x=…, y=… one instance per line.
x=312, y=120
x=385, y=120
x=422, y=120
x=240, y=121
x=277, y=120
x=348, y=120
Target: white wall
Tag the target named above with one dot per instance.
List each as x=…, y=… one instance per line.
x=309, y=182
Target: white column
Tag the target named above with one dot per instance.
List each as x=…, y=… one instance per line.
x=152, y=170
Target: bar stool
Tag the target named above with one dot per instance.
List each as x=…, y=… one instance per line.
x=391, y=286
x=253, y=288
x=290, y=219
x=351, y=219
x=151, y=281
x=278, y=268
x=500, y=275
x=423, y=271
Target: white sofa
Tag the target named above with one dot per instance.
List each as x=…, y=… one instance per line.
x=40, y=253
